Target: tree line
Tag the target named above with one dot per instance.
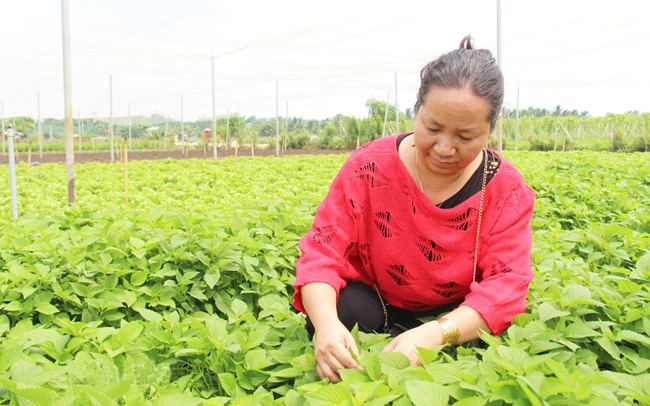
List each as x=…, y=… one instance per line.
x=535, y=128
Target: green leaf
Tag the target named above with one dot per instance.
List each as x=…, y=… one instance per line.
x=97, y=397
x=211, y=279
x=5, y=324
x=575, y=292
x=239, y=307
x=148, y=314
x=177, y=399
x=424, y=393
x=392, y=359
x=642, y=267
x=579, y=330
x=626, y=286
x=354, y=355
x=138, y=278
x=373, y=366
x=335, y=394
x=627, y=335
x=129, y=332
x=197, y=294
x=136, y=242
x=38, y=396
x=609, y=346
x=256, y=359
x=228, y=383
x=14, y=306
x=547, y=312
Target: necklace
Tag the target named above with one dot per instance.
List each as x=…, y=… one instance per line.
x=449, y=188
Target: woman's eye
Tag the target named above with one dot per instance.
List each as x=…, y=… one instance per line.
x=464, y=138
x=434, y=130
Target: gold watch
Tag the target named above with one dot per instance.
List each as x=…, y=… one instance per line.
x=450, y=332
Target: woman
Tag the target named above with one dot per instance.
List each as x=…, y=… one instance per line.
x=421, y=224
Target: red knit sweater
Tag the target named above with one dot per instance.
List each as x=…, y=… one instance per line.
x=376, y=226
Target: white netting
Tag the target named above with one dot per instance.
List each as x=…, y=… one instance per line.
x=328, y=58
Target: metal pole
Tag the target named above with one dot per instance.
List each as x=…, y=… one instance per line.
x=110, y=123
x=228, y=128
x=130, y=144
x=12, y=172
x=214, y=117
x=2, y=104
x=79, y=127
x=286, y=126
x=517, y=128
x=383, y=132
x=40, y=129
x=277, y=121
x=182, y=129
x=67, y=96
x=396, y=106
x=499, y=121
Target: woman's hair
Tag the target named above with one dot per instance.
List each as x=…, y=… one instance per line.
x=465, y=67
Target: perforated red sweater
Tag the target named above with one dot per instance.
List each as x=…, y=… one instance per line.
x=376, y=226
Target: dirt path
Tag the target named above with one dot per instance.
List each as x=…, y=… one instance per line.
x=105, y=156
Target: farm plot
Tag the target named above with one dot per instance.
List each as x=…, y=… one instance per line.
x=183, y=297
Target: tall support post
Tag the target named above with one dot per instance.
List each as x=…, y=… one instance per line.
x=517, y=122
x=228, y=128
x=38, y=124
x=166, y=132
x=396, y=107
x=110, y=122
x=182, y=129
x=214, y=117
x=500, y=120
x=79, y=127
x=277, y=121
x=12, y=172
x=130, y=144
x=383, y=132
x=67, y=96
x=2, y=106
x=286, y=126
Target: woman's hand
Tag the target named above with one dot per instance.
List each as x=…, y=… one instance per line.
x=426, y=336
x=331, y=351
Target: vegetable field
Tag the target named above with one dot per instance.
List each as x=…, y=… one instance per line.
x=184, y=296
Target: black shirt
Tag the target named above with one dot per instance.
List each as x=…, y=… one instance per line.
x=474, y=184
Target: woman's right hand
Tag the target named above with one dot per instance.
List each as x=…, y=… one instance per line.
x=331, y=351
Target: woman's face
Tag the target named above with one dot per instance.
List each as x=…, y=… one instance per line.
x=451, y=128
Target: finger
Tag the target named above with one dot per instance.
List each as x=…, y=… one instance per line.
x=390, y=347
x=332, y=375
x=320, y=373
x=345, y=359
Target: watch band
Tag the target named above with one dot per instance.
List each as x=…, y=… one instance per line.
x=450, y=332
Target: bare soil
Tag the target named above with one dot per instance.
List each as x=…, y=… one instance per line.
x=81, y=157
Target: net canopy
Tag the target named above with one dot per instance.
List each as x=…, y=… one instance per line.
x=311, y=60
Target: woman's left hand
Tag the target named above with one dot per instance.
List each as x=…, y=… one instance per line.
x=427, y=335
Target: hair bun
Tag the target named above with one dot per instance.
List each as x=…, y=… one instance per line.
x=466, y=43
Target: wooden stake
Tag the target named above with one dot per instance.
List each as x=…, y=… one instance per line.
x=555, y=146
x=126, y=176
x=236, y=149
x=29, y=161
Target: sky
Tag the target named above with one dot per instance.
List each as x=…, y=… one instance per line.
x=312, y=59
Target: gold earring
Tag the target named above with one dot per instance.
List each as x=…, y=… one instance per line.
x=413, y=144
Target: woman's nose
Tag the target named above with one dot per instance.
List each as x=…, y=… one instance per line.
x=444, y=147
